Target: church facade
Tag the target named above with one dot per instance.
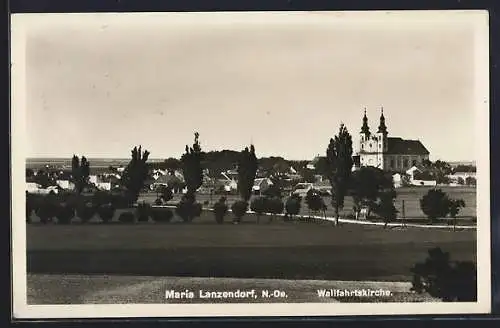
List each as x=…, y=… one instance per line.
x=388, y=153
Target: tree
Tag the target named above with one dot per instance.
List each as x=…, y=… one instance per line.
x=451, y=282
x=292, y=205
x=136, y=173
x=314, y=201
x=321, y=166
x=166, y=193
x=30, y=174
x=44, y=179
x=247, y=169
x=64, y=213
x=143, y=212
x=258, y=205
x=192, y=169
x=274, y=205
x=239, y=208
x=106, y=212
x=85, y=211
x=386, y=209
x=47, y=209
x=454, y=206
x=308, y=176
x=171, y=164
x=470, y=181
x=435, y=204
x=368, y=184
x=339, y=160
x=277, y=187
x=461, y=181
x=80, y=171
x=220, y=209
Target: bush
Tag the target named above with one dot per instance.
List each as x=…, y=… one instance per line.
x=258, y=205
x=85, y=211
x=120, y=200
x=65, y=213
x=166, y=193
x=101, y=197
x=239, y=208
x=386, y=209
x=274, y=206
x=470, y=181
x=158, y=201
x=30, y=207
x=188, y=209
x=273, y=191
x=451, y=282
x=47, y=208
x=314, y=201
x=143, y=212
x=106, y=212
x=292, y=205
x=435, y=204
x=161, y=215
x=126, y=217
x=220, y=209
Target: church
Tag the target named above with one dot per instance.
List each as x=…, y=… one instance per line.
x=388, y=153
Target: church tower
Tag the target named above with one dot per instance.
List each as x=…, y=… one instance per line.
x=365, y=131
x=382, y=144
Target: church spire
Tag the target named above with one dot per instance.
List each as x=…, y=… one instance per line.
x=382, y=128
x=365, y=129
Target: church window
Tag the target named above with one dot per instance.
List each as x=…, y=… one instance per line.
x=362, y=146
x=405, y=163
x=392, y=163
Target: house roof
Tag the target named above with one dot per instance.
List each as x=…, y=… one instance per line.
x=167, y=179
x=405, y=147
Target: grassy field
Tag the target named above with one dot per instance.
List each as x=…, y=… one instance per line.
x=282, y=250
x=410, y=196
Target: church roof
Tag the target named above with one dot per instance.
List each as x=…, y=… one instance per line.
x=405, y=147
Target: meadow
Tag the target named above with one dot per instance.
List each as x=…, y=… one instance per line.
x=277, y=249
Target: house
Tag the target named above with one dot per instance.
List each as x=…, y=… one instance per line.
x=397, y=180
x=261, y=185
x=167, y=180
x=411, y=171
x=103, y=185
x=228, y=183
x=388, y=153
x=461, y=177
x=65, y=184
x=312, y=165
x=32, y=187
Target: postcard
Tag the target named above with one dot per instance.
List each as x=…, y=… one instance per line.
x=250, y=164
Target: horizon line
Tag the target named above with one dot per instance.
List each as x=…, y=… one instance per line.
x=164, y=158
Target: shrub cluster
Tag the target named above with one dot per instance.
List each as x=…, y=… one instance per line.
x=436, y=204
x=220, y=210
x=188, y=209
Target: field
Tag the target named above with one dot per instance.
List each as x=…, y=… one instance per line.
x=279, y=249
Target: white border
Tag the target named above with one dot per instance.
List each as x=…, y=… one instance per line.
x=20, y=23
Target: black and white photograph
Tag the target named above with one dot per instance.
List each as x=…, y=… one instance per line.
x=250, y=164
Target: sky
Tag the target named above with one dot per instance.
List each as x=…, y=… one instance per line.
x=97, y=85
